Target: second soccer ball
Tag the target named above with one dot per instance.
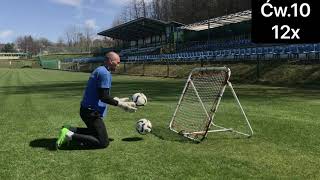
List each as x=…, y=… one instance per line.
x=140, y=99
x=143, y=126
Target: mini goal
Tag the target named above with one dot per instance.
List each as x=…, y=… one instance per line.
x=199, y=102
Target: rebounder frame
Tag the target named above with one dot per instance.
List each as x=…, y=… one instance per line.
x=210, y=115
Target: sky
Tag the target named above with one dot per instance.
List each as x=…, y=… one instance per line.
x=51, y=18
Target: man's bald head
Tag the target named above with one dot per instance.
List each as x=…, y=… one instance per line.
x=113, y=56
x=112, y=60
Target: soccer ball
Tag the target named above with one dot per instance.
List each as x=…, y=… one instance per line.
x=143, y=126
x=140, y=99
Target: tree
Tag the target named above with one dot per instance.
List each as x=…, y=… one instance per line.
x=26, y=44
x=184, y=11
x=88, y=32
x=79, y=38
x=44, y=42
x=72, y=36
x=136, y=9
x=9, y=48
x=60, y=43
x=29, y=44
x=144, y=10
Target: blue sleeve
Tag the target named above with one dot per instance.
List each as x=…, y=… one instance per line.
x=104, y=80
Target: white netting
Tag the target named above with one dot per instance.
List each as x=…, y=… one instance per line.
x=199, y=101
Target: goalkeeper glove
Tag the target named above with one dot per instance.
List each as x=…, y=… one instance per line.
x=127, y=106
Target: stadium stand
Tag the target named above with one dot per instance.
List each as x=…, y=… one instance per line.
x=299, y=51
x=226, y=38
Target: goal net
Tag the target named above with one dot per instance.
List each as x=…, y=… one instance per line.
x=199, y=101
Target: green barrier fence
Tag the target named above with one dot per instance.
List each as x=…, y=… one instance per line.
x=49, y=63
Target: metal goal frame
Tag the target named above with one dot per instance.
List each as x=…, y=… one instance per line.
x=200, y=135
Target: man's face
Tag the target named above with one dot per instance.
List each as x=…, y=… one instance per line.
x=113, y=63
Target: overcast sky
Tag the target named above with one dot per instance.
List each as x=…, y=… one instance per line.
x=51, y=18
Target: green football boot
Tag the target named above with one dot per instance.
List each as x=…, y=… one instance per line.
x=62, y=139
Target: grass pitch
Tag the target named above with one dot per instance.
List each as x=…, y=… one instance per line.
x=35, y=103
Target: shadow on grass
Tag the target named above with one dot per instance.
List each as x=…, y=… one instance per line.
x=132, y=139
x=47, y=143
x=50, y=144
x=166, y=134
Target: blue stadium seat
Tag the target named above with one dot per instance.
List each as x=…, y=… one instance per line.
x=310, y=51
x=247, y=54
x=236, y=53
x=253, y=51
x=227, y=53
x=211, y=55
x=317, y=50
x=242, y=53
x=218, y=53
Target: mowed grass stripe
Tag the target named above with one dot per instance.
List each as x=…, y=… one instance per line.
x=10, y=136
x=3, y=73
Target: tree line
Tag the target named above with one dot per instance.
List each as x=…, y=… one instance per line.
x=183, y=11
x=74, y=39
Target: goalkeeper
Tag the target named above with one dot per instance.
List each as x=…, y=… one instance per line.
x=94, y=106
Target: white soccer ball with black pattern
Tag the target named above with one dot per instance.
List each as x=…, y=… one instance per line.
x=143, y=126
x=140, y=99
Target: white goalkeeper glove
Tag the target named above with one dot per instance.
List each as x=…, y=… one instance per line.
x=127, y=106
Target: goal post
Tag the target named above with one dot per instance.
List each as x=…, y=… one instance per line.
x=199, y=102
